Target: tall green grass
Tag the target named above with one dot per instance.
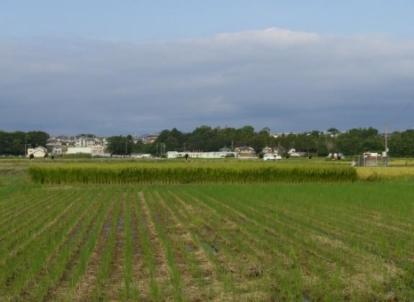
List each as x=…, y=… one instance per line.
x=123, y=174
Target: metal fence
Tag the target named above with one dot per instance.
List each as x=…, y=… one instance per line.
x=372, y=161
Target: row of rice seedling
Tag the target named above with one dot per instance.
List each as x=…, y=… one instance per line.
x=17, y=235
x=77, y=266
x=106, y=261
x=166, y=246
x=55, y=266
x=334, y=242
x=224, y=243
x=188, y=174
x=151, y=267
x=29, y=258
x=246, y=238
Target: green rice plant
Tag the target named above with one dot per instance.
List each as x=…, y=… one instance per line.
x=158, y=220
x=31, y=259
x=148, y=250
x=75, y=273
x=22, y=223
x=245, y=240
x=56, y=265
x=107, y=257
x=129, y=289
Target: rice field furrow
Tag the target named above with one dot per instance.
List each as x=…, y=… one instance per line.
x=344, y=232
x=25, y=200
x=145, y=267
x=319, y=259
x=310, y=234
x=128, y=289
x=225, y=249
x=39, y=252
x=88, y=282
x=107, y=260
x=355, y=260
x=385, y=270
x=208, y=282
x=163, y=274
x=137, y=281
x=195, y=285
x=54, y=265
x=250, y=235
x=13, y=238
x=115, y=283
x=78, y=261
x=163, y=228
x=12, y=253
x=242, y=224
x=24, y=212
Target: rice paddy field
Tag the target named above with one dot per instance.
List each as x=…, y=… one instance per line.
x=330, y=239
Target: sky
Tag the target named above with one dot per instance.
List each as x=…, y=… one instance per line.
x=118, y=67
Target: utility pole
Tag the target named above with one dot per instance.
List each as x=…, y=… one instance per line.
x=386, y=146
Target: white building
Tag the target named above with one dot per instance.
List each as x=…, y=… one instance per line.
x=293, y=153
x=141, y=155
x=205, y=155
x=38, y=152
x=79, y=150
x=245, y=152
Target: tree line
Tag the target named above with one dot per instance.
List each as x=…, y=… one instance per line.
x=351, y=142
x=205, y=138
x=16, y=143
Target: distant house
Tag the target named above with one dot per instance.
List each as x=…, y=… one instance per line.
x=293, y=153
x=141, y=155
x=149, y=138
x=205, y=155
x=79, y=150
x=38, y=152
x=270, y=154
x=94, y=150
x=267, y=150
x=245, y=152
x=55, y=147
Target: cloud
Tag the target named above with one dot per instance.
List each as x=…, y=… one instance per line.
x=282, y=79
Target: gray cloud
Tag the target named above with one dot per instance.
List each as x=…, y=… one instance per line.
x=278, y=78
